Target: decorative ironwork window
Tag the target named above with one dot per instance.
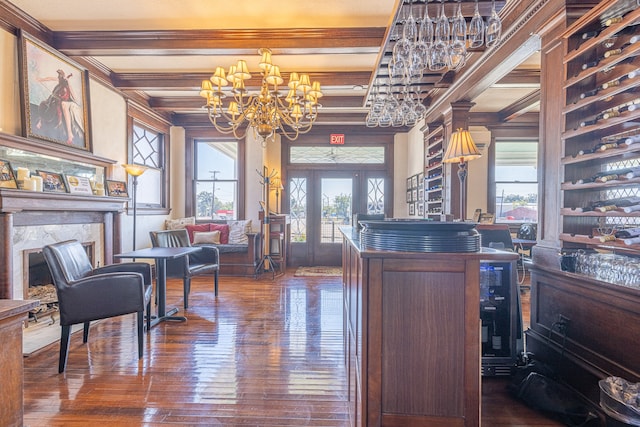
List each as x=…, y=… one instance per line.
x=148, y=150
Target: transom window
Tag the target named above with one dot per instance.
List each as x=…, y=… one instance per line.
x=337, y=154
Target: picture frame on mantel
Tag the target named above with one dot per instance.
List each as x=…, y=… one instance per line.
x=117, y=188
x=55, y=95
x=52, y=182
x=7, y=176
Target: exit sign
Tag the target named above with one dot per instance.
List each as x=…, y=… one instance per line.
x=337, y=139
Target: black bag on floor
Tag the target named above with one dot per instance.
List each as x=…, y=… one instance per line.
x=547, y=395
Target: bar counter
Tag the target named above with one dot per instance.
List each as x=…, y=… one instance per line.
x=412, y=334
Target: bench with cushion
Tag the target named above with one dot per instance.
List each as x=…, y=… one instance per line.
x=238, y=245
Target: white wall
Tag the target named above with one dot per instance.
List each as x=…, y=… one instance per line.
x=9, y=85
x=177, y=167
x=400, y=167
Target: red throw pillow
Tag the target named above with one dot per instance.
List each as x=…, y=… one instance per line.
x=224, y=232
x=198, y=227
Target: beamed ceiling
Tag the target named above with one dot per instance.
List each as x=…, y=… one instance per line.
x=157, y=52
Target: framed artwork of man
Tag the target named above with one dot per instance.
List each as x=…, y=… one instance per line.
x=55, y=95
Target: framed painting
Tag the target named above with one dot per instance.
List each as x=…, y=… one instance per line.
x=52, y=181
x=117, y=189
x=79, y=185
x=412, y=209
x=55, y=95
x=7, y=177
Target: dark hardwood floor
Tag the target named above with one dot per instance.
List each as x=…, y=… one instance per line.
x=264, y=353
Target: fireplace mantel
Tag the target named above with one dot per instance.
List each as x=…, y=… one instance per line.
x=19, y=201
x=30, y=208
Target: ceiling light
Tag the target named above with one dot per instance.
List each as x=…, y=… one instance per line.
x=266, y=112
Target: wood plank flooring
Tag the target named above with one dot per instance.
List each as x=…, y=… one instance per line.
x=264, y=353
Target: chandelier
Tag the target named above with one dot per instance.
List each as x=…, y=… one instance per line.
x=427, y=45
x=266, y=112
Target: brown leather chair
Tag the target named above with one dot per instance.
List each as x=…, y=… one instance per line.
x=86, y=294
x=206, y=261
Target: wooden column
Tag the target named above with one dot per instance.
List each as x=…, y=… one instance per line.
x=6, y=251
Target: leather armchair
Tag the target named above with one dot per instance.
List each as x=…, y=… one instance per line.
x=206, y=261
x=86, y=294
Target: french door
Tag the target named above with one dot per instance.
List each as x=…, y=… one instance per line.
x=322, y=201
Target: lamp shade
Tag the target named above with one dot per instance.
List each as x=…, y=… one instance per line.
x=134, y=170
x=461, y=148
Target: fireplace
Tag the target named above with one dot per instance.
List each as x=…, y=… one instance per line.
x=30, y=220
x=38, y=284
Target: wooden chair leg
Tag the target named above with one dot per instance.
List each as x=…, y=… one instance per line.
x=85, y=332
x=64, y=347
x=140, y=333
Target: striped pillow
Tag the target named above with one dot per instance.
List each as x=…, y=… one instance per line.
x=238, y=232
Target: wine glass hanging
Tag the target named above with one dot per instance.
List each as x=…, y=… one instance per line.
x=426, y=44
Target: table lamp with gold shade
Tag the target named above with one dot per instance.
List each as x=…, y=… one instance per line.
x=461, y=149
x=276, y=184
x=135, y=171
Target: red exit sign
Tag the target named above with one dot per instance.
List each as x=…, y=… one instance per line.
x=337, y=139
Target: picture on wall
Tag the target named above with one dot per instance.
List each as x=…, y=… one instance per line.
x=55, y=95
x=7, y=177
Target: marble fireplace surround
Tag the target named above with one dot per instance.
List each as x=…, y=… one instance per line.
x=30, y=220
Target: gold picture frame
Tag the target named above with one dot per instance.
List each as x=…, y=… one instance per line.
x=55, y=95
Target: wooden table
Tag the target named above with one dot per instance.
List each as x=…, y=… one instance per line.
x=161, y=255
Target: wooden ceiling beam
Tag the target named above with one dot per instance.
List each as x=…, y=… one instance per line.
x=191, y=81
x=195, y=102
x=220, y=42
x=188, y=120
x=520, y=107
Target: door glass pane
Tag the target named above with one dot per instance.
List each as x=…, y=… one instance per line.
x=375, y=196
x=298, y=203
x=336, y=207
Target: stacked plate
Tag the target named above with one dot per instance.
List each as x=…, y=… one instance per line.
x=419, y=236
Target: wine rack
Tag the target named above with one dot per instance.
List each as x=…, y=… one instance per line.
x=601, y=137
x=434, y=173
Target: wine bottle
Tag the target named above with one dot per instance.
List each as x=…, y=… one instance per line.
x=614, y=82
x=590, y=34
x=632, y=139
x=632, y=241
x=632, y=208
x=589, y=93
x=614, y=20
x=590, y=64
x=618, y=202
x=591, y=122
x=606, y=178
x=626, y=233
